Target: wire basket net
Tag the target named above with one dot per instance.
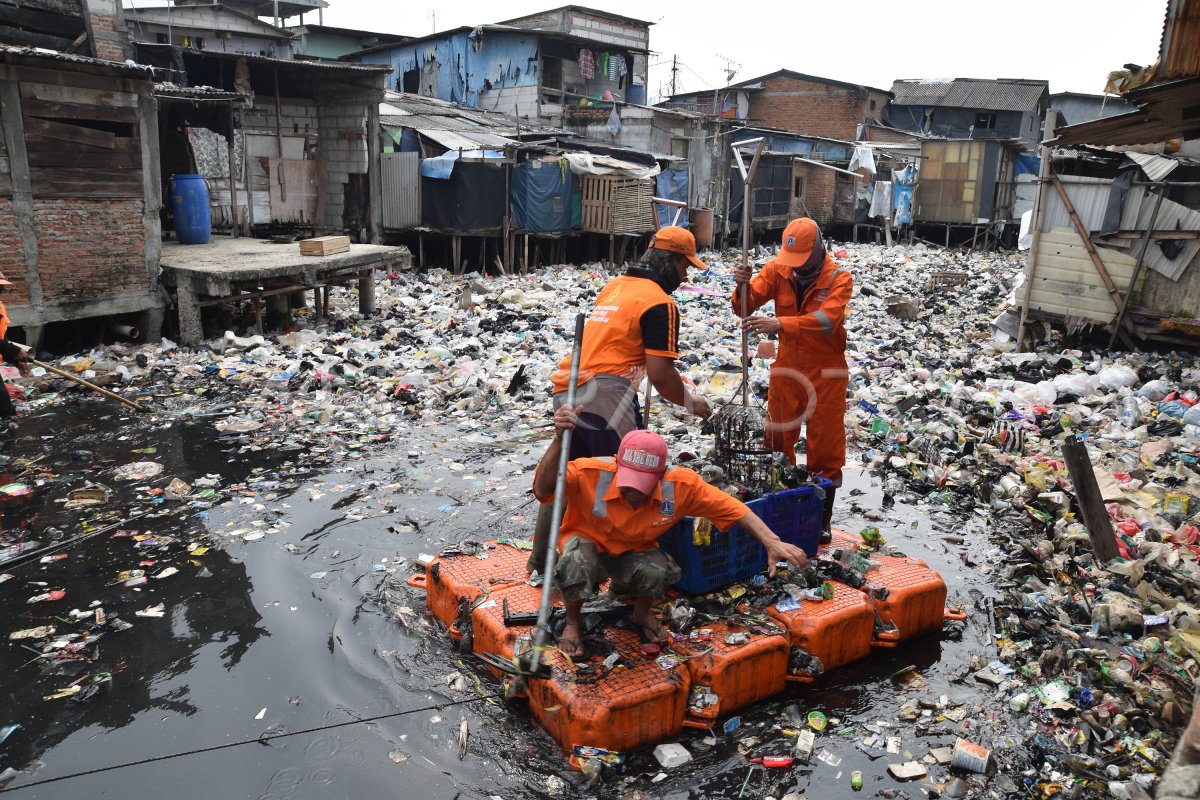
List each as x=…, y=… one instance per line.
x=739, y=433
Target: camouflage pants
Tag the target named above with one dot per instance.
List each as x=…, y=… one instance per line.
x=580, y=571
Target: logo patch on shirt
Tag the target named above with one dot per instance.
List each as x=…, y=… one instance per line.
x=667, y=508
x=791, y=241
x=823, y=294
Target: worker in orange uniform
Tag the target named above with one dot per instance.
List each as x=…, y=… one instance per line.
x=809, y=375
x=632, y=332
x=616, y=510
x=11, y=353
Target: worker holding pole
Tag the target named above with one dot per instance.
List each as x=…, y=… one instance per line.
x=809, y=376
x=11, y=353
x=632, y=332
x=616, y=510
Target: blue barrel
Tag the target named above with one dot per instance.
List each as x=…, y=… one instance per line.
x=189, y=204
x=636, y=94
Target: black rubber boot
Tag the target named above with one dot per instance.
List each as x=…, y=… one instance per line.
x=827, y=518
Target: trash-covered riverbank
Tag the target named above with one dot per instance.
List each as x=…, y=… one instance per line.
x=316, y=465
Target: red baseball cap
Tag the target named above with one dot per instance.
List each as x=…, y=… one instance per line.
x=799, y=239
x=641, y=461
x=674, y=239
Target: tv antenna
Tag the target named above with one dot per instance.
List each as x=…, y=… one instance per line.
x=731, y=68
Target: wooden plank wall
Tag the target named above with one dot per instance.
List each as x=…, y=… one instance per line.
x=1066, y=282
x=82, y=142
x=53, y=24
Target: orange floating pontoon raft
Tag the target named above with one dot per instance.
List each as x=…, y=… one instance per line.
x=621, y=698
x=454, y=580
x=909, y=597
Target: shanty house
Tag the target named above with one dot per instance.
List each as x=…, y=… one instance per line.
x=217, y=27
x=328, y=42
x=79, y=185
x=530, y=67
x=970, y=108
x=1128, y=258
x=792, y=101
x=1075, y=108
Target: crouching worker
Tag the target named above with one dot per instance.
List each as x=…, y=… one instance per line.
x=616, y=510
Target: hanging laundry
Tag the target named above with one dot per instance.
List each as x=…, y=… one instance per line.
x=614, y=69
x=587, y=64
x=622, y=67
x=603, y=65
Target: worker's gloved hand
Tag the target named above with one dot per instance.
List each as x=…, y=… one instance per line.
x=565, y=419
x=699, y=406
x=780, y=550
x=742, y=273
x=21, y=362
x=762, y=324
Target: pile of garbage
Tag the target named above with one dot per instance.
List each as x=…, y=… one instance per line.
x=1096, y=661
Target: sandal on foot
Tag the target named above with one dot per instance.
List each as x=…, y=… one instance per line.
x=656, y=635
x=572, y=648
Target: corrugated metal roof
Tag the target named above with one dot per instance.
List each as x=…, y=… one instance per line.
x=428, y=113
x=991, y=95
x=1156, y=167
x=1179, y=53
x=458, y=140
x=16, y=51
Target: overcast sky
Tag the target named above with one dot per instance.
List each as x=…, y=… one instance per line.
x=1074, y=44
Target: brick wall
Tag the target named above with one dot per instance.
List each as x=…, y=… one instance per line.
x=12, y=258
x=818, y=192
x=90, y=249
x=813, y=108
x=108, y=28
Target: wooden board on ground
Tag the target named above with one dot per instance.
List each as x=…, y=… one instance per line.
x=325, y=245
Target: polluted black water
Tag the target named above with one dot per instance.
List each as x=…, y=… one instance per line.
x=271, y=649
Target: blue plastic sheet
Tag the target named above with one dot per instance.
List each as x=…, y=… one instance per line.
x=1029, y=165
x=442, y=167
x=672, y=184
x=902, y=194
x=541, y=196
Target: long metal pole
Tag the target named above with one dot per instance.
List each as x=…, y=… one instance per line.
x=1137, y=268
x=556, y=514
x=1048, y=127
x=747, y=186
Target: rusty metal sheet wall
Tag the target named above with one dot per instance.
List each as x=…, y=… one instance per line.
x=401, y=180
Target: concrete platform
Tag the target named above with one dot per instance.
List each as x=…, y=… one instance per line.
x=228, y=271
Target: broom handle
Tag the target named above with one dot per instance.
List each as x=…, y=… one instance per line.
x=64, y=374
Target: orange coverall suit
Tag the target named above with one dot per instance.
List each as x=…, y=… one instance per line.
x=808, y=376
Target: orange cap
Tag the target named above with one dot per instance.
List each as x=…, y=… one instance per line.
x=799, y=238
x=674, y=239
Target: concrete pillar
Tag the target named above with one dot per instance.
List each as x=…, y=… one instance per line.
x=191, y=331
x=151, y=323
x=366, y=292
x=33, y=338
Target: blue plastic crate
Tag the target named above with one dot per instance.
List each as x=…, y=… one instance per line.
x=731, y=557
x=795, y=514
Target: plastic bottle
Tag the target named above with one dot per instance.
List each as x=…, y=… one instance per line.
x=1130, y=413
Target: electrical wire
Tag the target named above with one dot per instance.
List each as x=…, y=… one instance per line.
x=260, y=740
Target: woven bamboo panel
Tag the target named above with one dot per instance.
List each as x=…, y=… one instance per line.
x=613, y=204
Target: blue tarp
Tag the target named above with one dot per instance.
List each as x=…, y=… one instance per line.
x=902, y=194
x=442, y=167
x=541, y=196
x=464, y=64
x=672, y=185
x=1031, y=165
